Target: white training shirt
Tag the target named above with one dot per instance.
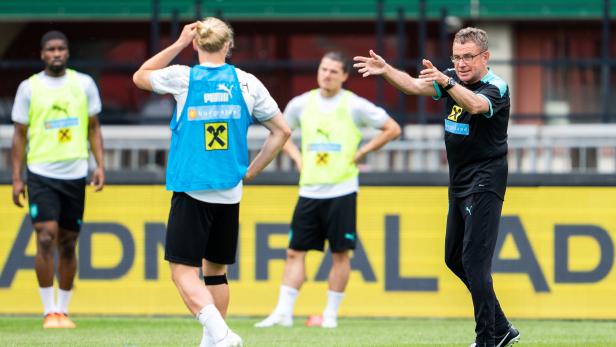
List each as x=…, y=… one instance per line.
x=67, y=169
x=364, y=114
x=174, y=80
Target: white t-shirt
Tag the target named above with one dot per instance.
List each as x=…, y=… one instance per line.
x=67, y=169
x=364, y=114
x=174, y=80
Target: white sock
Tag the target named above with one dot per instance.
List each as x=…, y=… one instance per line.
x=286, y=300
x=213, y=322
x=333, y=303
x=207, y=336
x=49, y=305
x=64, y=297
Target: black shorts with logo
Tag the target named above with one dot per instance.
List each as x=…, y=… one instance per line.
x=198, y=230
x=59, y=200
x=317, y=220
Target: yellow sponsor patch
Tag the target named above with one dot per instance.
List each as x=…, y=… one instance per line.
x=456, y=111
x=64, y=135
x=322, y=158
x=216, y=136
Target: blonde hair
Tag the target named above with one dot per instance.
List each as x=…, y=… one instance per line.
x=212, y=34
x=475, y=35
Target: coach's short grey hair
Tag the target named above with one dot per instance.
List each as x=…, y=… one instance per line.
x=475, y=35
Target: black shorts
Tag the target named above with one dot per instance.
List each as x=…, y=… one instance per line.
x=59, y=200
x=317, y=220
x=198, y=230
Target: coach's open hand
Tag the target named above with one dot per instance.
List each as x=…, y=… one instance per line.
x=432, y=74
x=368, y=66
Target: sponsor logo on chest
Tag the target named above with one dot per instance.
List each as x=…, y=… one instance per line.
x=222, y=94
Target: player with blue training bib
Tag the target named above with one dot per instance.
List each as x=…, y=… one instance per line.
x=208, y=162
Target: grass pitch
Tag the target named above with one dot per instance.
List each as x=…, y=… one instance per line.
x=175, y=331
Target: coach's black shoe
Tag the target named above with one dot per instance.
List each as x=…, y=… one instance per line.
x=509, y=338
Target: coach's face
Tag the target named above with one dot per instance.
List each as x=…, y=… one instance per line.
x=55, y=55
x=470, y=62
x=331, y=76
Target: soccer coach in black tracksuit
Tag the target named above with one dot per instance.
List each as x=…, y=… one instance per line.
x=476, y=142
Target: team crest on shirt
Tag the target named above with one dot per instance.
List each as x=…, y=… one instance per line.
x=216, y=136
x=456, y=111
x=322, y=158
x=64, y=135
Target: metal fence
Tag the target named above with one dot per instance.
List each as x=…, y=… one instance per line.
x=554, y=149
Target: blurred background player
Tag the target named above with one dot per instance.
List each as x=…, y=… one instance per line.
x=208, y=160
x=476, y=120
x=330, y=119
x=55, y=116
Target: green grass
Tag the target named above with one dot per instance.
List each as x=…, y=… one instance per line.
x=174, y=331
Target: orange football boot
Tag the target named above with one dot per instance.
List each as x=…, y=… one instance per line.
x=51, y=321
x=65, y=322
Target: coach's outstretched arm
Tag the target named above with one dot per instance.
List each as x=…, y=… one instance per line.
x=376, y=65
x=464, y=97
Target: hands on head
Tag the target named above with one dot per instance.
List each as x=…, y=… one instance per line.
x=188, y=34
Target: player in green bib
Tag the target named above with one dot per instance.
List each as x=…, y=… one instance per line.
x=330, y=119
x=55, y=117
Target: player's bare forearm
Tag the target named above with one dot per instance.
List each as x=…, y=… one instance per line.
x=162, y=59
x=141, y=78
x=292, y=151
x=95, y=139
x=18, y=150
x=279, y=134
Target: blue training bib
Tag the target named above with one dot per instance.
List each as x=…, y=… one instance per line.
x=209, y=150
